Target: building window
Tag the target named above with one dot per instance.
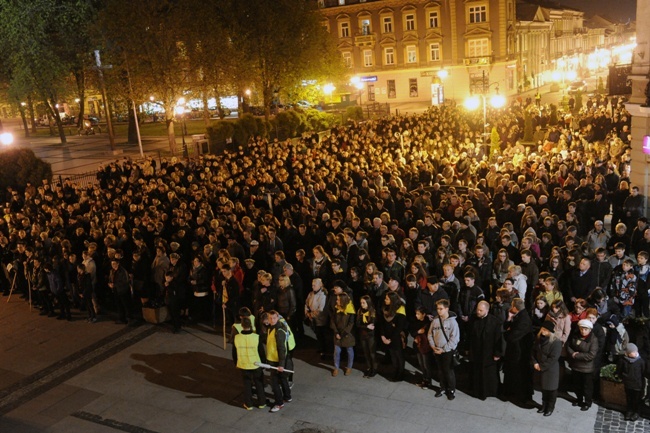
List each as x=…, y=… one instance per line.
x=367, y=58
x=434, y=50
x=347, y=59
x=391, y=89
x=413, y=87
x=411, y=54
x=388, y=24
x=410, y=22
x=434, y=18
x=389, y=56
x=345, y=29
x=478, y=48
x=365, y=26
x=477, y=14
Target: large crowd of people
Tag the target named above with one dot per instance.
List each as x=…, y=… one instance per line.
x=404, y=235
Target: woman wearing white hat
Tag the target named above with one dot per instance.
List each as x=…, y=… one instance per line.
x=582, y=348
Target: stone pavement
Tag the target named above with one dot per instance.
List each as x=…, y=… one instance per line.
x=58, y=376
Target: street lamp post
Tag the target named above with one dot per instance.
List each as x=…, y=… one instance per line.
x=180, y=111
x=496, y=101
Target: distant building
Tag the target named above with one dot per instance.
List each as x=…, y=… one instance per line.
x=396, y=48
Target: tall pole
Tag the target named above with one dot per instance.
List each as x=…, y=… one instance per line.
x=484, y=117
x=183, y=128
x=135, y=111
x=109, y=123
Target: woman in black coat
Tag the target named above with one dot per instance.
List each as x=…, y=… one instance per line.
x=392, y=330
x=545, y=356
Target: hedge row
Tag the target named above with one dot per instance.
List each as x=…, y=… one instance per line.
x=287, y=124
x=20, y=166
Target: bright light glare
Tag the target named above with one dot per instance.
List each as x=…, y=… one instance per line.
x=248, y=92
x=179, y=110
x=556, y=75
x=472, y=103
x=181, y=101
x=443, y=73
x=498, y=101
x=328, y=88
x=572, y=75
x=6, y=138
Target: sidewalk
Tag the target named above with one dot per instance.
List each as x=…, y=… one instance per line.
x=66, y=377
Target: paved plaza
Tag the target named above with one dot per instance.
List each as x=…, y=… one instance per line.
x=59, y=376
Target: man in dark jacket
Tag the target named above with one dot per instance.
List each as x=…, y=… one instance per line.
x=427, y=297
x=518, y=333
x=582, y=281
x=485, y=349
x=118, y=282
x=470, y=295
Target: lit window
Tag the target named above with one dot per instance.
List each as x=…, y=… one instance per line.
x=389, y=56
x=411, y=54
x=388, y=24
x=434, y=50
x=341, y=2
x=365, y=27
x=347, y=59
x=410, y=22
x=478, y=48
x=367, y=58
x=477, y=14
x=345, y=29
x=433, y=19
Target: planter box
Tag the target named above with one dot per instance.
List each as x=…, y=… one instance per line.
x=155, y=315
x=612, y=394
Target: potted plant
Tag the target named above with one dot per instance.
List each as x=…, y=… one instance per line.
x=612, y=390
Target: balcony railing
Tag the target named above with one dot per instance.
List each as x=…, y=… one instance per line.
x=482, y=60
x=365, y=40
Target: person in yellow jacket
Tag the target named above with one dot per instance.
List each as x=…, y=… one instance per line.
x=247, y=350
x=277, y=354
x=342, y=322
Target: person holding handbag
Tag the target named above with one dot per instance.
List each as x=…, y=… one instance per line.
x=444, y=336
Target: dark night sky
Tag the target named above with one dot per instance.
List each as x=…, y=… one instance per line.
x=619, y=10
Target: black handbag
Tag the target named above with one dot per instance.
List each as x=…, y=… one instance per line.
x=455, y=356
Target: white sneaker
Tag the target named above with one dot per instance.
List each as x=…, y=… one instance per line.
x=276, y=408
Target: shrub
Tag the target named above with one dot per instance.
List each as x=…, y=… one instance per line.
x=218, y=133
x=354, y=112
x=20, y=166
x=608, y=372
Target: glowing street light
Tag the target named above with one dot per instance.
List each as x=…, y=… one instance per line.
x=6, y=138
x=443, y=73
x=329, y=88
x=248, y=92
x=498, y=101
x=472, y=103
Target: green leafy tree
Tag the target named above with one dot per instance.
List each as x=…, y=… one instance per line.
x=40, y=44
x=144, y=39
x=285, y=43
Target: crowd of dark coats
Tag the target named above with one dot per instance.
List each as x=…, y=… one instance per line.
x=397, y=212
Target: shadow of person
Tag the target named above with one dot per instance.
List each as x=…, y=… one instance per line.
x=197, y=374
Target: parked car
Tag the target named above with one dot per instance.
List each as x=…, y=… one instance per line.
x=302, y=104
x=577, y=86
